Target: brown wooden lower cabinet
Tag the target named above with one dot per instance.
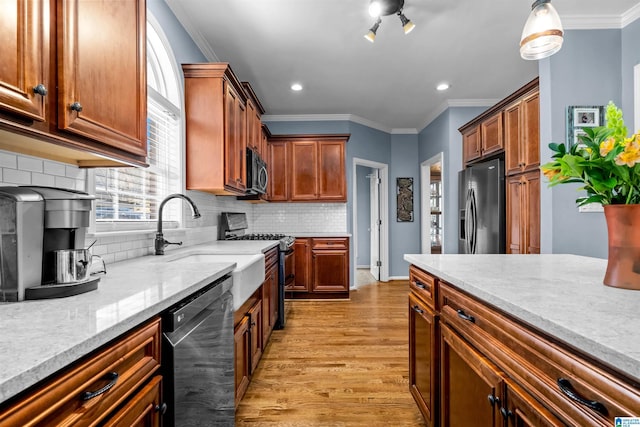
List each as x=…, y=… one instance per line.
x=78, y=395
x=523, y=213
x=241, y=349
x=492, y=370
x=321, y=268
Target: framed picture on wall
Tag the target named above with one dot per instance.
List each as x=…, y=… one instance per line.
x=404, y=194
x=579, y=117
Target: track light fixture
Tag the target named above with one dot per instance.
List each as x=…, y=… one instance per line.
x=379, y=8
x=542, y=33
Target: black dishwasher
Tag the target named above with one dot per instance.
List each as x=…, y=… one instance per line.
x=197, y=358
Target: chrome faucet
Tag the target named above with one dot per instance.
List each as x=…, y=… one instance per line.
x=160, y=242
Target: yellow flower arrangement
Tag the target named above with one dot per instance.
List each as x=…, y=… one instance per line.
x=606, y=161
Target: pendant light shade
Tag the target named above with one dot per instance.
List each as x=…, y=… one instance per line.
x=542, y=33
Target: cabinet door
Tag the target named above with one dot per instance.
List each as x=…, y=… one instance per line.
x=304, y=170
x=471, y=387
x=252, y=136
x=512, y=136
x=235, y=140
x=255, y=332
x=522, y=410
x=144, y=409
x=242, y=345
x=423, y=358
x=331, y=167
x=491, y=134
x=102, y=88
x=531, y=202
x=330, y=270
x=471, y=144
x=278, y=172
x=515, y=216
x=24, y=40
x=530, y=145
x=302, y=263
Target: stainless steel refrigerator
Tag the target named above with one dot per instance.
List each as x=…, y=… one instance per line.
x=481, y=203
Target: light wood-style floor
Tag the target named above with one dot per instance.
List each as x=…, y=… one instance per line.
x=337, y=363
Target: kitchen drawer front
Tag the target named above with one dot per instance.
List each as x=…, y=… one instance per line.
x=135, y=357
x=423, y=285
x=538, y=364
x=270, y=258
x=330, y=243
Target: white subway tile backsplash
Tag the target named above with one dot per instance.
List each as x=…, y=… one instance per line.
x=14, y=176
x=8, y=160
x=55, y=168
x=75, y=172
x=29, y=164
x=300, y=218
x=42, y=179
x=63, y=182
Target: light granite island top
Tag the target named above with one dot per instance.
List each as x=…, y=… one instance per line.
x=40, y=337
x=561, y=295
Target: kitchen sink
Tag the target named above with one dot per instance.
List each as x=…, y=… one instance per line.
x=248, y=274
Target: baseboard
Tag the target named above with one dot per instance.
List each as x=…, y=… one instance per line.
x=361, y=267
x=398, y=278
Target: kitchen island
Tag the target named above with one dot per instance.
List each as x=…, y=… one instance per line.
x=38, y=338
x=543, y=324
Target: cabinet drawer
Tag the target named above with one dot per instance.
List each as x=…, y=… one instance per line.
x=124, y=365
x=330, y=243
x=270, y=258
x=592, y=395
x=423, y=285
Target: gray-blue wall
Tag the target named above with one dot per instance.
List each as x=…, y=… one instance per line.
x=404, y=237
x=363, y=198
x=575, y=77
x=442, y=136
x=630, y=58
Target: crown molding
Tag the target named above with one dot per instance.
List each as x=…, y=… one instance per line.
x=404, y=131
x=449, y=103
x=191, y=29
x=631, y=15
x=602, y=22
x=325, y=118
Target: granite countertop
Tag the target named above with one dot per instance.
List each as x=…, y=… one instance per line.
x=40, y=337
x=562, y=295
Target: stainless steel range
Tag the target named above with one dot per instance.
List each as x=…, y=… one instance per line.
x=233, y=226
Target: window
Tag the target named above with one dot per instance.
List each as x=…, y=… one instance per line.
x=133, y=195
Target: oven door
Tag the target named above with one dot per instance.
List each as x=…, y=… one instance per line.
x=289, y=268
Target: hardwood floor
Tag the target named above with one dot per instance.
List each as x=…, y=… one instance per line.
x=337, y=363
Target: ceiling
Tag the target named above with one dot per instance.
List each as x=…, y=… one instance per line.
x=390, y=84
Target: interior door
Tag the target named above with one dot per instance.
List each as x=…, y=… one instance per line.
x=374, y=185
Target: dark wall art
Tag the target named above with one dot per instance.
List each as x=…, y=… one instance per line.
x=404, y=188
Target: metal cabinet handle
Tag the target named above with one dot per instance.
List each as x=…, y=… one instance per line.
x=40, y=89
x=420, y=285
x=505, y=412
x=76, y=106
x=465, y=316
x=493, y=400
x=113, y=379
x=162, y=408
x=417, y=309
x=566, y=387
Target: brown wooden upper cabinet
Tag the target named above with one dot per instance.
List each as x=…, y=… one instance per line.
x=307, y=168
x=216, y=128
x=68, y=95
x=522, y=134
x=483, y=139
x=255, y=110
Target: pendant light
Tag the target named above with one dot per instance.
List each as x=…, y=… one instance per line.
x=542, y=33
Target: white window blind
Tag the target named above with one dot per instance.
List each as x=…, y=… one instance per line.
x=134, y=194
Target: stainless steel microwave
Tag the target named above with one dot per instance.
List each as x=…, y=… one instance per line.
x=257, y=178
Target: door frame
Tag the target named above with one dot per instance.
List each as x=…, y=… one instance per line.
x=383, y=169
x=425, y=202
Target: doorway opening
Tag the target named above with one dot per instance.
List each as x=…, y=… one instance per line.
x=370, y=223
x=432, y=205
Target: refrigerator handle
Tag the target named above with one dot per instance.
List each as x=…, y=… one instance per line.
x=474, y=221
x=468, y=229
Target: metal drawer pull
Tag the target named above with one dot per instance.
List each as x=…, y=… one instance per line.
x=40, y=90
x=566, y=387
x=493, y=400
x=76, y=106
x=162, y=408
x=465, y=316
x=420, y=285
x=113, y=379
x=417, y=309
x=505, y=412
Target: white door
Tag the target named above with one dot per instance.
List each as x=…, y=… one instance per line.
x=374, y=182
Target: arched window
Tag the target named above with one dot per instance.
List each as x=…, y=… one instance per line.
x=126, y=198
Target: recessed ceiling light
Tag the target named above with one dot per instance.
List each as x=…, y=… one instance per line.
x=296, y=86
x=443, y=86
